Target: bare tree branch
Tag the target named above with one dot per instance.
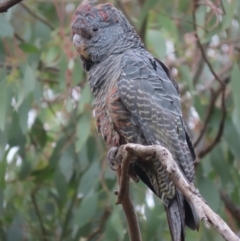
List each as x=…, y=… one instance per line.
x=195, y=6
x=204, y=152
x=205, y=213
x=213, y=96
x=212, y=101
x=126, y=201
x=5, y=5
x=231, y=207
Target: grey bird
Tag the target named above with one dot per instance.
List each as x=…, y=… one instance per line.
x=136, y=101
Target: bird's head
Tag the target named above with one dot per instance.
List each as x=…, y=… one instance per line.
x=99, y=31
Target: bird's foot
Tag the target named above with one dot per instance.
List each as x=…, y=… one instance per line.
x=114, y=160
x=115, y=157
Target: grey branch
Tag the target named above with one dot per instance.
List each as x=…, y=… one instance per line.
x=124, y=198
x=205, y=213
x=5, y=5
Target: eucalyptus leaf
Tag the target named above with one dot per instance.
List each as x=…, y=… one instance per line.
x=86, y=210
x=235, y=84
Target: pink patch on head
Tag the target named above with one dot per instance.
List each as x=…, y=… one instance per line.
x=103, y=15
x=81, y=10
x=84, y=8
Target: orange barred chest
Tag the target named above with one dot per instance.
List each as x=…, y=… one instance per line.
x=112, y=118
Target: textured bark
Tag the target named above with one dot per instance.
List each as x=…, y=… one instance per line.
x=205, y=213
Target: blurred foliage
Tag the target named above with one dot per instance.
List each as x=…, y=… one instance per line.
x=54, y=180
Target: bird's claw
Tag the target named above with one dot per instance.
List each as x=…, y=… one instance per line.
x=113, y=160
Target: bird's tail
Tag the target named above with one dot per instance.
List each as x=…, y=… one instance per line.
x=180, y=212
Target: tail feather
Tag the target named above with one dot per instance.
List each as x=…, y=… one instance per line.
x=175, y=217
x=180, y=212
x=191, y=217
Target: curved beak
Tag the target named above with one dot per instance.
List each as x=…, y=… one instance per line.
x=77, y=41
x=80, y=46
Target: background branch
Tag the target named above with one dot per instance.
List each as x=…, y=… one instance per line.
x=220, y=129
x=200, y=45
x=101, y=225
x=231, y=207
x=5, y=5
x=44, y=233
x=36, y=16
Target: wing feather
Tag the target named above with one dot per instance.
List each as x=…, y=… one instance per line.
x=151, y=95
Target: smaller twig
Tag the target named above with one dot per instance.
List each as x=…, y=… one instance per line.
x=231, y=207
x=69, y=212
x=43, y=230
x=142, y=31
x=220, y=129
x=198, y=71
x=121, y=7
x=5, y=5
x=102, y=223
x=19, y=38
x=143, y=27
x=213, y=98
x=36, y=16
x=180, y=20
x=201, y=46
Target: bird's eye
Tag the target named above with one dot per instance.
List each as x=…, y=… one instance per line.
x=95, y=29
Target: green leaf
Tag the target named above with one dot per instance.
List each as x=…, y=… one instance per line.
x=156, y=42
x=235, y=85
x=229, y=8
x=3, y=168
x=220, y=164
x=61, y=186
x=77, y=73
x=29, y=80
x=23, y=115
x=145, y=9
x=56, y=154
x=83, y=131
x=41, y=31
x=4, y=98
x=168, y=26
x=25, y=170
x=186, y=76
x=200, y=18
x=232, y=138
x=66, y=165
x=15, y=231
x=154, y=222
x=86, y=210
x=38, y=134
x=15, y=135
x=86, y=98
x=89, y=178
x=116, y=223
x=1, y=202
x=3, y=140
x=209, y=191
x=28, y=48
x=6, y=27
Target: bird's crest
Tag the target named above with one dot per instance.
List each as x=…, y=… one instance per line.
x=103, y=12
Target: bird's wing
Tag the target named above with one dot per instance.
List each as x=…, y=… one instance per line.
x=149, y=93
